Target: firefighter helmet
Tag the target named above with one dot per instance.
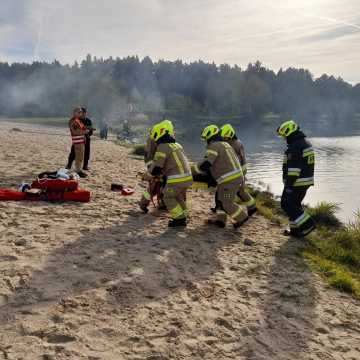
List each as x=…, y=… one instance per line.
x=209, y=132
x=161, y=129
x=287, y=128
x=227, y=131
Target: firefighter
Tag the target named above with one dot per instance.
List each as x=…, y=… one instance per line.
x=78, y=131
x=171, y=162
x=244, y=198
x=90, y=130
x=224, y=166
x=298, y=176
x=155, y=184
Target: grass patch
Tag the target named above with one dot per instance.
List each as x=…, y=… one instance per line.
x=325, y=214
x=267, y=204
x=333, y=250
x=335, y=253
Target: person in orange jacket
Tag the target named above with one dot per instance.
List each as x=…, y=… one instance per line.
x=78, y=131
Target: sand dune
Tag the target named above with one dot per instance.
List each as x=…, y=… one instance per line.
x=102, y=281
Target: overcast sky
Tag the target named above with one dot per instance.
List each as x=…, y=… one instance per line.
x=321, y=35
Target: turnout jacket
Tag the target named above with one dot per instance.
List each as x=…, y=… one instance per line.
x=221, y=160
x=149, y=151
x=239, y=149
x=299, y=161
x=77, y=131
x=171, y=162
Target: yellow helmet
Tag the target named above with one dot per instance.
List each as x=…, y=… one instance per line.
x=168, y=125
x=227, y=131
x=209, y=132
x=161, y=129
x=287, y=128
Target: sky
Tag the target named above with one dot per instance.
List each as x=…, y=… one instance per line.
x=320, y=35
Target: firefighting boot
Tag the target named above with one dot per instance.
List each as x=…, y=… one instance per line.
x=177, y=222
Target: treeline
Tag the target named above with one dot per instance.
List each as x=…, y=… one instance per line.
x=113, y=88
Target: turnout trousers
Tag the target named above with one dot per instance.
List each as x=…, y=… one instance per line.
x=301, y=222
x=86, y=154
x=175, y=200
x=79, y=156
x=226, y=202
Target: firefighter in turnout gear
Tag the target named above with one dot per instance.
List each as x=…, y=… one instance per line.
x=78, y=131
x=171, y=162
x=298, y=176
x=220, y=159
x=228, y=133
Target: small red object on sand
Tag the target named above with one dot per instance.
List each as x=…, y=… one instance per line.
x=126, y=191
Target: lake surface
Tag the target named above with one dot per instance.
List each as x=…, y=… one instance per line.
x=337, y=172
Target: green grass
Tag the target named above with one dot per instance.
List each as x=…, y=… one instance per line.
x=267, y=205
x=333, y=250
x=48, y=121
x=325, y=214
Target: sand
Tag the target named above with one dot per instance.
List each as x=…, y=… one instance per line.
x=103, y=281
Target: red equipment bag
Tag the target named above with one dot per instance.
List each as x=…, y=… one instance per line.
x=80, y=195
x=11, y=195
x=55, y=185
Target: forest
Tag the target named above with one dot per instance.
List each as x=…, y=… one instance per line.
x=115, y=88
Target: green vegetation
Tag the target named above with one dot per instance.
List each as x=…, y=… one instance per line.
x=268, y=205
x=118, y=89
x=333, y=250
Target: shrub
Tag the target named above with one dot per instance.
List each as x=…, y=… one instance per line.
x=324, y=214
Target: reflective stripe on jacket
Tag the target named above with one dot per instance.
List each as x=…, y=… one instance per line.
x=299, y=162
x=170, y=157
x=239, y=149
x=77, y=131
x=225, y=165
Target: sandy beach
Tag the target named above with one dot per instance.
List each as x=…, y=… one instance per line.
x=103, y=281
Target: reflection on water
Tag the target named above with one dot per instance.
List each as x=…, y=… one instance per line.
x=336, y=175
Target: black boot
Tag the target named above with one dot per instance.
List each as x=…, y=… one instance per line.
x=239, y=223
x=82, y=174
x=252, y=211
x=144, y=209
x=177, y=222
x=217, y=223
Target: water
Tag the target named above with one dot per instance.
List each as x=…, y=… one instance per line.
x=337, y=169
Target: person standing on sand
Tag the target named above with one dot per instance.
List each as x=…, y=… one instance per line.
x=298, y=176
x=171, y=162
x=78, y=131
x=90, y=130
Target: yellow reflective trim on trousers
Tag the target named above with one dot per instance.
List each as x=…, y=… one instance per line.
x=306, y=218
x=177, y=212
x=146, y=195
x=237, y=213
x=304, y=183
x=212, y=152
x=247, y=203
x=293, y=173
x=178, y=162
x=180, y=180
x=231, y=178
